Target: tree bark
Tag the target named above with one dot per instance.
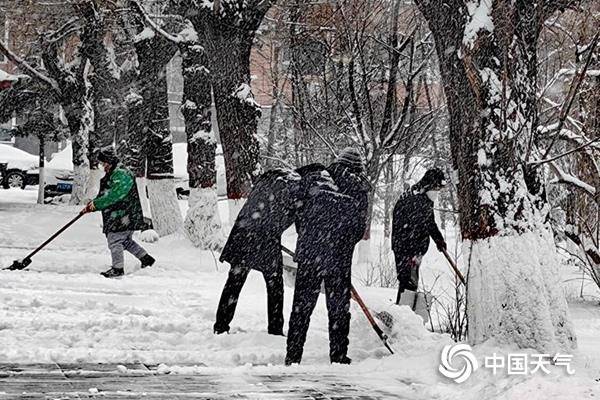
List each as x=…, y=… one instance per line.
x=75, y=100
x=202, y=222
x=237, y=112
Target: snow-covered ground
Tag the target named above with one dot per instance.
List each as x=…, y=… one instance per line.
x=62, y=310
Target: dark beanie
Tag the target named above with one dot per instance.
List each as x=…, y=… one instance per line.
x=107, y=155
x=352, y=157
x=433, y=179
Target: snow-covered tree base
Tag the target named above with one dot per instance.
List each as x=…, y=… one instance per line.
x=93, y=184
x=203, y=223
x=515, y=294
x=81, y=175
x=166, y=215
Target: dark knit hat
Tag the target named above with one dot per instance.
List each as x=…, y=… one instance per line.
x=352, y=157
x=107, y=155
x=432, y=180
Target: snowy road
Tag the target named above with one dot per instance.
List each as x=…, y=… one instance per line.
x=138, y=381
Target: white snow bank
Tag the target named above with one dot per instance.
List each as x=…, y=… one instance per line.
x=62, y=160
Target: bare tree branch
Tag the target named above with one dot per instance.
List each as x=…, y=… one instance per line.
x=26, y=67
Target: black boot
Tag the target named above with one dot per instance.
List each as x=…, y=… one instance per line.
x=218, y=329
x=341, y=360
x=291, y=361
x=147, y=261
x=112, y=273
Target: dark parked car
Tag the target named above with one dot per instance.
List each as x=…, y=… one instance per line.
x=20, y=168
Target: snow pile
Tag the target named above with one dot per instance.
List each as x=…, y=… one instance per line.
x=62, y=160
x=479, y=19
x=149, y=236
x=515, y=293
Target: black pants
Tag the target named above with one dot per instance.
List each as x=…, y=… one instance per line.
x=306, y=294
x=231, y=292
x=407, y=268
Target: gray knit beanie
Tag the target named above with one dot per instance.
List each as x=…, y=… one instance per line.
x=352, y=157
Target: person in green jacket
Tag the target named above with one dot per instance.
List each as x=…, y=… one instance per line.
x=121, y=209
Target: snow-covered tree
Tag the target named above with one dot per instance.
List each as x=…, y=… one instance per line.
x=487, y=51
x=150, y=144
x=202, y=223
x=226, y=30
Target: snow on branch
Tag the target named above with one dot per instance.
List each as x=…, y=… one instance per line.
x=583, y=146
x=573, y=90
x=25, y=66
x=568, y=179
x=480, y=19
x=186, y=36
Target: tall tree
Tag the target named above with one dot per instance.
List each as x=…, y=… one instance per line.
x=226, y=30
x=488, y=61
x=202, y=223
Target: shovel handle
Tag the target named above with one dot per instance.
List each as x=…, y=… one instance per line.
x=51, y=238
x=454, y=267
x=369, y=316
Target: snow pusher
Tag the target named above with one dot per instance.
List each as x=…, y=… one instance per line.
x=18, y=265
x=290, y=270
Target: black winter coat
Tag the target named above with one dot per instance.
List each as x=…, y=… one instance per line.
x=255, y=239
x=332, y=219
x=413, y=224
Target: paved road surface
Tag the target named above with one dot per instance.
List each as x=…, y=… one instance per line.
x=105, y=381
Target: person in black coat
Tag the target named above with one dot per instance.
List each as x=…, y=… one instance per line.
x=331, y=221
x=412, y=226
x=255, y=243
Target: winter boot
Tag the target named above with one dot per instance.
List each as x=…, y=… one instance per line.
x=291, y=361
x=341, y=360
x=112, y=273
x=218, y=329
x=276, y=332
x=147, y=261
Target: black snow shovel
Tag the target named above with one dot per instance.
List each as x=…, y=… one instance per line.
x=18, y=265
x=454, y=267
x=384, y=338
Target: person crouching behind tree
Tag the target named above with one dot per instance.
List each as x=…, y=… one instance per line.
x=255, y=243
x=331, y=221
x=119, y=202
x=412, y=225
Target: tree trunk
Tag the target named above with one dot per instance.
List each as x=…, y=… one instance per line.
x=514, y=292
x=42, y=161
x=237, y=112
x=388, y=200
x=80, y=120
x=202, y=222
x=153, y=55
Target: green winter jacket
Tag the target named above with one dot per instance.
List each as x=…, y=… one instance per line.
x=119, y=202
